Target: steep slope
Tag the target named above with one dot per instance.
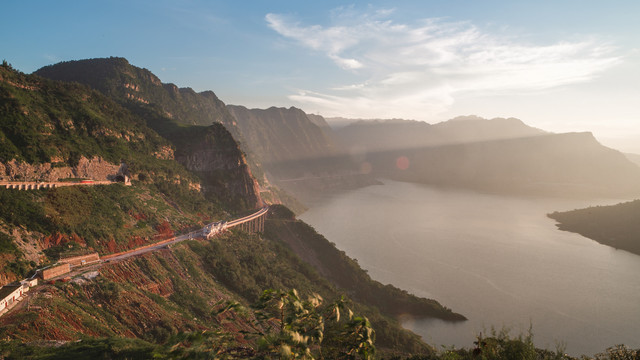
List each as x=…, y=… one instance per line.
x=212, y=153
x=616, y=226
x=280, y=144
x=51, y=131
x=163, y=107
x=160, y=294
x=279, y=134
x=143, y=93
x=300, y=154
x=44, y=121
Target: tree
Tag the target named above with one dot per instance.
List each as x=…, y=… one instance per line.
x=288, y=327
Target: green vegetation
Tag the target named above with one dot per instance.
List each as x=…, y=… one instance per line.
x=289, y=327
x=155, y=297
x=24, y=208
x=42, y=119
x=105, y=218
x=56, y=124
x=109, y=76
x=219, y=345
x=13, y=258
x=615, y=225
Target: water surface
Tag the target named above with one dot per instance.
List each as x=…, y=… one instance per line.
x=498, y=260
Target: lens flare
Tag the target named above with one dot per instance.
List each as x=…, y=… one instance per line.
x=402, y=163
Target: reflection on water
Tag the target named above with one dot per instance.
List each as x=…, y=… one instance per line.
x=497, y=260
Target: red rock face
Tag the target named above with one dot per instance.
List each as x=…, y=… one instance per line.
x=59, y=239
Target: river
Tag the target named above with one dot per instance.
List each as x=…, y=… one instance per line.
x=498, y=260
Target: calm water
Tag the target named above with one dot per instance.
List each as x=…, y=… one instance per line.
x=497, y=260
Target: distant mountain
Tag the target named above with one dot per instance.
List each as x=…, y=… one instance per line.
x=339, y=122
x=572, y=164
x=615, y=225
x=279, y=134
x=382, y=135
x=498, y=155
x=298, y=151
x=319, y=120
x=634, y=158
x=463, y=129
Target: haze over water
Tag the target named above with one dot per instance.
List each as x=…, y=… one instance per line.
x=497, y=260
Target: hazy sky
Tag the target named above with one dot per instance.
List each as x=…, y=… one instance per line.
x=562, y=65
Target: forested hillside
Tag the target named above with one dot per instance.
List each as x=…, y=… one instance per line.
x=616, y=225
x=51, y=131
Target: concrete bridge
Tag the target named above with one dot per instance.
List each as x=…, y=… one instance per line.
x=251, y=223
x=33, y=185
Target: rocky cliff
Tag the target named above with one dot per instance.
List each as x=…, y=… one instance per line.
x=212, y=153
x=163, y=106
x=298, y=151
x=279, y=134
x=95, y=168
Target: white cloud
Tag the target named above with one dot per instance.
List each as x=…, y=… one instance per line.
x=417, y=70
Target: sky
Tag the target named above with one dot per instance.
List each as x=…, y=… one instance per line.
x=562, y=65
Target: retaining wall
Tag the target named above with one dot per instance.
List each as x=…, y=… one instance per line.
x=55, y=271
x=81, y=260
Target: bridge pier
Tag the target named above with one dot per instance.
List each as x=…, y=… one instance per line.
x=29, y=186
x=252, y=223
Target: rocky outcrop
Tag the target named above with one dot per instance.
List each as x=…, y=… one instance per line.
x=216, y=158
x=298, y=151
x=95, y=168
x=165, y=153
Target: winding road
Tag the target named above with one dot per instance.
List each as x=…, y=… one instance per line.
x=197, y=233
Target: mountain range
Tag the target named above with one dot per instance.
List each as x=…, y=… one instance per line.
x=497, y=155
x=194, y=160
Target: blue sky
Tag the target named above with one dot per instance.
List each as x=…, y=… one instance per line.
x=563, y=65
